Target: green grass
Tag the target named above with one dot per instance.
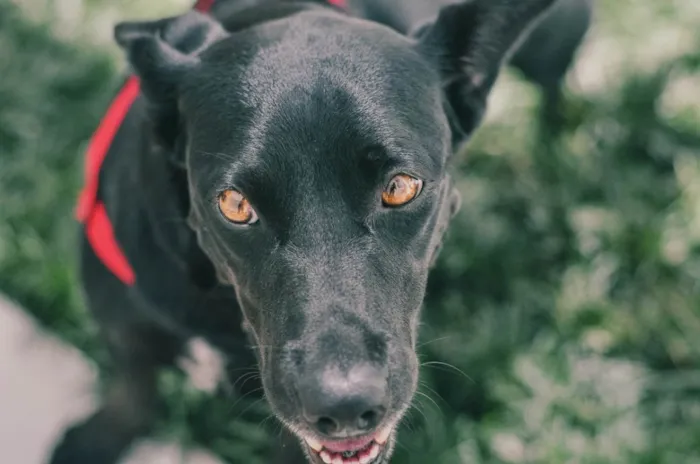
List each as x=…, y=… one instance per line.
x=565, y=304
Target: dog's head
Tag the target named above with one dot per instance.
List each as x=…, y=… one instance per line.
x=315, y=147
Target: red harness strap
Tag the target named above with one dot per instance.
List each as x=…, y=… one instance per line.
x=91, y=210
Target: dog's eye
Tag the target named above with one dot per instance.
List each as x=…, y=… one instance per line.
x=236, y=208
x=400, y=190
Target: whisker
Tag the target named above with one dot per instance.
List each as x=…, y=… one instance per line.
x=425, y=385
x=254, y=403
x=434, y=340
x=261, y=424
x=245, y=369
x=406, y=420
x=399, y=444
x=244, y=378
x=430, y=399
x=409, y=420
x=416, y=406
x=437, y=364
x=235, y=403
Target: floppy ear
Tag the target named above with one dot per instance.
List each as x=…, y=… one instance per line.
x=161, y=53
x=468, y=42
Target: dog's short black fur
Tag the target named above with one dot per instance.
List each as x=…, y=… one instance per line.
x=309, y=112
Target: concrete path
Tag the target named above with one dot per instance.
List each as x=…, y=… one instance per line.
x=46, y=385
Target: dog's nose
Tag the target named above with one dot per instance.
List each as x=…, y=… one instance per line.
x=341, y=405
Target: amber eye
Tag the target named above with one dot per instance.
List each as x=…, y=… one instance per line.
x=236, y=208
x=400, y=190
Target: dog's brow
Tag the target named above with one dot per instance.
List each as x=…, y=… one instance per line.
x=245, y=159
x=414, y=159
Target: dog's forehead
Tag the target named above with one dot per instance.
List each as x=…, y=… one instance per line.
x=350, y=51
x=255, y=66
x=318, y=81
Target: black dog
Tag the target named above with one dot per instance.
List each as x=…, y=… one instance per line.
x=284, y=174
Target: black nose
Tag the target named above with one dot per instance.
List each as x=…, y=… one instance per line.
x=338, y=404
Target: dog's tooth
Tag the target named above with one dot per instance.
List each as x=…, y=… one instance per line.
x=365, y=459
x=337, y=460
x=374, y=451
x=314, y=444
x=326, y=457
x=383, y=435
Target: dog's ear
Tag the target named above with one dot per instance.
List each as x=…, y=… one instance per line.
x=161, y=53
x=468, y=42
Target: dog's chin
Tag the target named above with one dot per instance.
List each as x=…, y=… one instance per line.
x=375, y=448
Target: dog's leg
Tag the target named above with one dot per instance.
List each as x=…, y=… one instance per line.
x=129, y=404
x=138, y=349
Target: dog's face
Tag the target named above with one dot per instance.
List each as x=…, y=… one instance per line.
x=320, y=193
x=316, y=147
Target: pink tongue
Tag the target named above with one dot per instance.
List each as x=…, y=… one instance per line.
x=347, y=445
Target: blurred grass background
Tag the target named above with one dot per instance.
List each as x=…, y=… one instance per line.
x=566, y=303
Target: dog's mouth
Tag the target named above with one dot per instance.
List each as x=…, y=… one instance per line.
x=369, y=449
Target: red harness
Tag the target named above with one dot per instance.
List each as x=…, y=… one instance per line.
x=91, y=210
